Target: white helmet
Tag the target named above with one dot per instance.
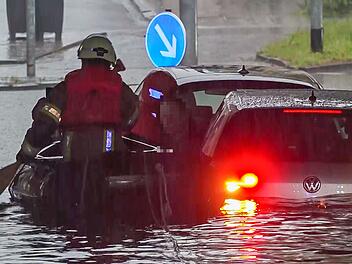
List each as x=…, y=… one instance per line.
x=98, y=46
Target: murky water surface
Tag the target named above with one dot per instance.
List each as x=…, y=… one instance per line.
x=259, y=231
x=262, y=232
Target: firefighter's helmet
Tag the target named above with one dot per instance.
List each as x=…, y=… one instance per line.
x=97, y=46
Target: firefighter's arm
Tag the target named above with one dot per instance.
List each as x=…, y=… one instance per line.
x=46, y=116
x=129, y=107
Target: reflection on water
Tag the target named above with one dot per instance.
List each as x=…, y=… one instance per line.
x=233, y=207
x=17, y=50
x=260, y=231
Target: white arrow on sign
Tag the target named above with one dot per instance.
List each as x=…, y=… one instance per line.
x=171, y=49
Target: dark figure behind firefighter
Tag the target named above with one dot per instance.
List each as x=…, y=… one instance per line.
x=91, y=109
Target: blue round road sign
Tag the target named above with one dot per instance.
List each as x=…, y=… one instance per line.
x=165, y=40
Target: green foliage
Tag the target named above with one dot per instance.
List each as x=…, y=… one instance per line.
x=334, y=8
x=337, y=7
x=295, y=49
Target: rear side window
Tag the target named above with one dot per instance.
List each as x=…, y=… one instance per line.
x=289, y=135
x=204, y=99
x=212, y=93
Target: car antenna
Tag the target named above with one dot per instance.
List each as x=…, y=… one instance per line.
x=312, y=98
x=243, y=71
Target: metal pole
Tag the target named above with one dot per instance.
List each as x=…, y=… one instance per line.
x=188, y=15
x=30, y=23
x=316, y=31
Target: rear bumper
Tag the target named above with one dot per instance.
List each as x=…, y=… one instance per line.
x=291, y=191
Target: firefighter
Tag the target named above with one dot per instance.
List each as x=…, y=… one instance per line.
x=91, y=109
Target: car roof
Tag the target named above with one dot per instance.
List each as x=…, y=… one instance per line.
x=189, y=74
x=298, y=98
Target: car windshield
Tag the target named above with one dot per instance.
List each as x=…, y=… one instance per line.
x=288, y=135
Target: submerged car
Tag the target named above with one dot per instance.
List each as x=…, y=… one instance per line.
x=169, y=95
x=279, y=143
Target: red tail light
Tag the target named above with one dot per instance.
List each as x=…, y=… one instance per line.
x=313, y=111
x=248, y=180
x=231, y=186
x=241, y=173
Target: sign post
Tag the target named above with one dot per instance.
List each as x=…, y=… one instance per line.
x=316, y=27
x=30, y=23
x=165, y=40
x=188, y=15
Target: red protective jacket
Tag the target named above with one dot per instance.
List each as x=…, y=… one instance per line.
x=93, y=97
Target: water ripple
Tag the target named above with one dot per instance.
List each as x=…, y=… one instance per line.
x=279, y=231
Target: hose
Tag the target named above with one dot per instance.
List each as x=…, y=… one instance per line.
x=165, y=208
x=147, y=184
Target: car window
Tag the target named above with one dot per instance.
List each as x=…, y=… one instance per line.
x=204, y=99
x=288, y=137
x=212, y=93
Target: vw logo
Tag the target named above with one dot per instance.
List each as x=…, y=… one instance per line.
x=312, y=184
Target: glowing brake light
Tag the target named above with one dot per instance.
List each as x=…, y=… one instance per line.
x=248, y=180
x=313, y=111
x=232, y=186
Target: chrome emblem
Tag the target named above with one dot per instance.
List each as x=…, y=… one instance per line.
x=312, y=184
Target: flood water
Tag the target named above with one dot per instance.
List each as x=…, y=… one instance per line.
x=276, y=232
